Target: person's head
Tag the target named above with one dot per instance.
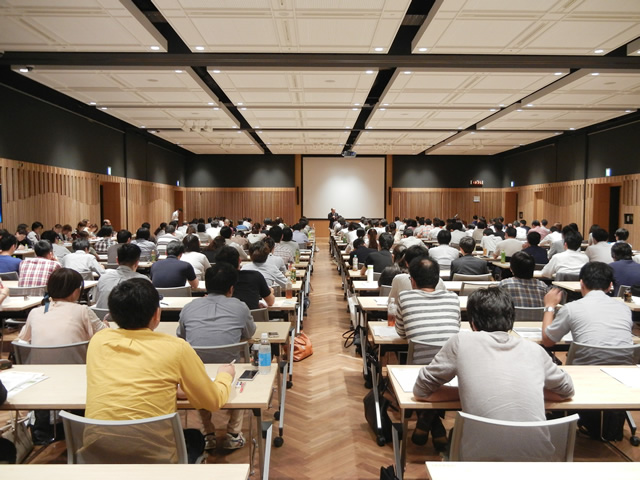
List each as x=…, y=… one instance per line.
x=221, y=278
x=572, y=239
x=255, y=229
x=123, y=236
x=268, y=241
x=511, y=232
x=105, y=231
x=413, y=252
x=191, y=243
x=175, y=248
x=134, y=304
x=359, y=232
x=170, y=229
x=522, y=265
x=225, y=232
x=259, y=252
x=621, y=251
x=228, y=255
x=544, y=222
x=276, y=233
x=535, y=223
x=385, y=241
x=65, y=283
x=201, y=228
x=444, y=237
x=467, y=245
x=8, y=241
x=37, y=227
x=398, y=253
x=622, y=235
x=80, y=244
x=57, y=228
x=424, y=272
x=408, y=232
x=49, y=235
x=287, y=234
x=43, y=249
x=487, y=232
x=498, y=226
x=600, y=235
x=491, y=310
x=533, y=238
x=358, y=242
x=191, y=230
x=67, y=229
x=143, y=234
x=128, y=254
x=596, y=276
x=217, y=243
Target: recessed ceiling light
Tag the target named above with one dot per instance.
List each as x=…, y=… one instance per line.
x=482, y=128
x=595, y=74
x=571, y=128
x=369, y=72
x=199, y=48
x=354, y=109
x=598, y=51
x=369, y=128
x=155, y=48
x=628, y=111
x=243, y=108
x=356, y=104
x=259, y=131
x=519, y=110
x=501, y=105
x=407, y=72
x=216, y=71
x=638, y=51
x=24, y=70
x=209, y=103
x=557, y=74
x=240, y=103
x=493, y=109
x=379, y=49
x=529, y=104
x=557, y=133
x=257, y=126
x=216, y=108
x=383, y=109
x=92, y=103
x=103, y=108
x=422, y=49
x=385, y=104
x=142, y=126
x=178, y=71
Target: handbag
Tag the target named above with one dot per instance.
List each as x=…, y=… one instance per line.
x=17, y=432
x=302, y=347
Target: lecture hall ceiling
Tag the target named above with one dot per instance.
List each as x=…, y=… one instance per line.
x=409, y=77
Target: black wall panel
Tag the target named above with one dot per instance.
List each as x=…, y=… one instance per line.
x=615, y=148
x=440, y=171
x=241, y=171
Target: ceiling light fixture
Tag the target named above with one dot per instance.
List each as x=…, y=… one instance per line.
x=210, y=103
x=92, y=103
x=178, y=71
x=557, y=74
x=628, y=111
x=598, y=51
x=407, y=72
x=103, y=108
x=529, y=104
x=595, y=74
x=216, y=71
x=571, y=128
x=369, y=72
x=25, y=69
x=422, y=49
x=240, y=103
x=379, y=49
x=493, y=109
x=155, y=48
x=199, y=48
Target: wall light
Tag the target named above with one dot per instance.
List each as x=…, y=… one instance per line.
x=607, y=172
x=177, y=183
x=108, y=170
x=513, y=184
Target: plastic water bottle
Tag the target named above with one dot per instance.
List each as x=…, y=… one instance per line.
x=370, y=273
x=355, y=262
x=264, y=355
x=391, y=312
x=503, y=257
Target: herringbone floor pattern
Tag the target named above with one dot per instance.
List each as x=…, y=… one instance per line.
x=326, y=435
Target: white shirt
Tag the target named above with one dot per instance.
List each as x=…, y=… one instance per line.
x=599, y=252
x=568, y=261
x=444, y=255
x=213, y=231
x=175, y=215
x=198, y=261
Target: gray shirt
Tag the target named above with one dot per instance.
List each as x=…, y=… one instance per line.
x=81, y=261
x=269, y=271
x=110, y=279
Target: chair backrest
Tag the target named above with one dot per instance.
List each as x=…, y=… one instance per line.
x=148, y=440
x=175, y=291
x=74, y=353
x=468, y=288
x=260, y=315
x=101, y=313
x=9, y=276
x=385, y=290
x=352, y=304
x=621, y=290
x=37, y=291
x=224, y=353
x=421, y=353
x=567, y=277
x=478, y=439
x=87, y=275
x=111, y=266
x=376, y=276
x=529, y=314
x=584, y=354
x=539, y=266
x=459, y=277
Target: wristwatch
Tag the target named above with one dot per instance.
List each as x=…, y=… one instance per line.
x=550, y=309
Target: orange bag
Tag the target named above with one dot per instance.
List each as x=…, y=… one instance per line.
x=302, y=347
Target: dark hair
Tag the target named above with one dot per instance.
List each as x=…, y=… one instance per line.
x=63, y=282
x=217, y=243
x=143, y=234
x=600, y=235
x=128, y=254
x=425, y=272
x=105, y=231
x=444, y=237
x=276, y=233
x=123, y=236
x=491, y=310
x=415, y=251
x=221, y=277
x=358, y=242
x=8, y=241
x=49, y=235
x=467, y=244
x=225, y=232
x=80, y=244
x=259, y=252
x=596, y=275
x=373, y=239
x=228, y=255
x=621, y=251
x=398, y=253
x=175, y=248
x=191, y=243
x=146, y=225
x=622, y=234
x=287, y=234
x=385, y=240
x=201, y=228
x=535, y=223
x=269, y=242
x=522, y=265
x=573, y=239
x=408, y=232
x=511, y=232
x=133, y=303
x=42, y=248
x=36, y=225
x=169, y=229
x=533, y=238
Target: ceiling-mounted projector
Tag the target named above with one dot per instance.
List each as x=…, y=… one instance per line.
x=349, y=153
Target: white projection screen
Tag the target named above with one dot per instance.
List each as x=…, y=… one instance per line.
x=353, y=186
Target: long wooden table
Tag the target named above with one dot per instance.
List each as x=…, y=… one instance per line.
x=66, y=388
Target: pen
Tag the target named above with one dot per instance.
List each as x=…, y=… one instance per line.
x=233, y=361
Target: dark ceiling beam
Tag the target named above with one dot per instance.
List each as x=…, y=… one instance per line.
x=285, y=61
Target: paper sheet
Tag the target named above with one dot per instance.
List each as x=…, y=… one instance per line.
x=406, y=377
x=381, y=301
x=387, y=332
x=370, y=284
x=15, y=381
x=627, y=376
x=535, y=333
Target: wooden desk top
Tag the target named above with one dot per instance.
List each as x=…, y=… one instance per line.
x=364, y=286
x=176, y=304
x=456, y=286
x=139, y=472
x=594, y=389
x=531, y=470
x=14, y=283
x=66, y=388
x=18, y=304
x=281, y=328
x=571, y=286
x=369, y=304
x=202, y=284
x=356, y=274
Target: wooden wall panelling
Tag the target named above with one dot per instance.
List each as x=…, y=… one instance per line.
x=148, y=202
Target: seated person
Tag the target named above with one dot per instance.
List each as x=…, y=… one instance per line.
x=525, y=291
x=128, y=259
x=259, y=252
x=81, y=260
x=533, y=248
x=59, y=250
x=122, y=237
x=467, y=264
x=625, y=270
x=622, y=235
x=571, y=260
x=214, y=320
x=8, y=263
x=599, y=250
x=105, y=234
x=409, y=239
x=399, y=266
x=402, y=281
x=172, y=272
x=443, y=253
x=35, y=272
x=361, y=251
x=203, y=236
x=489, y=241
x=147, y=247
x=192, y=255
x=379, y=259
x=225, y=232
x=500, y=376
x=146, y=368
x=509, y=245
x=286, y=242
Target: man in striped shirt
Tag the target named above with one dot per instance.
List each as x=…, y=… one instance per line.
x=432, y=316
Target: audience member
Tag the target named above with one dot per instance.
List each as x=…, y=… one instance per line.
x=192, y=255
x=172, y=272
x=509, y=245
x=251, y=286
x=8, y=263
x=571, y=260
x=81, y=260
x=259, y=252
x=599, y=250
x=533, y=248
x=128, y=259
x=467, y=264
x=35, y=272
x=525, y=291
x=625, y=270
x=147, y=248
x=443, y=253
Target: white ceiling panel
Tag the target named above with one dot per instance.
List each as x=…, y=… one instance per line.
x=525, y=27
x=432, y=118
x=548, y=119
x=465, y=88
x=333, y=118
x=292, y=26
x=72, y=26
x=398, y=142
x=175, y=117
x=201, y=142
x=310, y=142
x=338, y=88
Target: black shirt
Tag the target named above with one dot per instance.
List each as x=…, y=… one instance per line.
x=171, y=272
x=539, y=254
x=379, y=260
x=251, y=287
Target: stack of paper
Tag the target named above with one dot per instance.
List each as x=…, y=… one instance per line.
x=627, y=376
x=382, y=300
x=15, y=381
x=387, y=332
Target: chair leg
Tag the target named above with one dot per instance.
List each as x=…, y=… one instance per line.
x=635, y=440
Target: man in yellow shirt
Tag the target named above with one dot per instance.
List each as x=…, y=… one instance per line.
x=134, y=372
